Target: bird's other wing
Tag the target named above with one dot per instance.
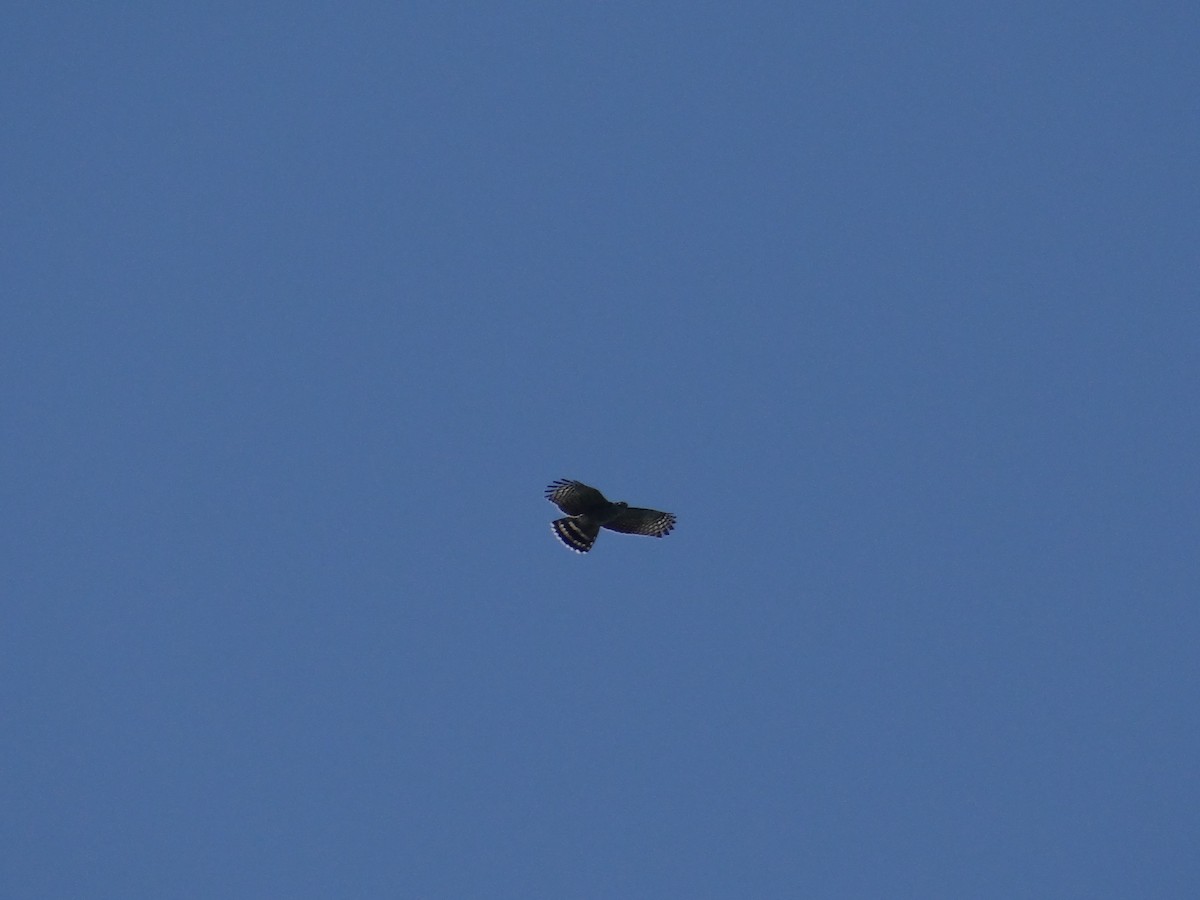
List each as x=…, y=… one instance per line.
x=635, y=520
x=574, y=497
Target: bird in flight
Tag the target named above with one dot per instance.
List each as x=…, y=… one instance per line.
x=587, y=511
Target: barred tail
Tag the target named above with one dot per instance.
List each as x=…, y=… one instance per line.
x=577, y=532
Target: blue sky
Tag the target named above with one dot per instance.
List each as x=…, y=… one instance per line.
x=895, y=307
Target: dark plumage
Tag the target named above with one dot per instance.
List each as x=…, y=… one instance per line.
x=588, y=511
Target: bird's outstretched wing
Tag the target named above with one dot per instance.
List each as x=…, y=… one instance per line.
x=635, y=520
x=574, y=497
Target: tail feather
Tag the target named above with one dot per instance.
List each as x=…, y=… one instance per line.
x=577, y=532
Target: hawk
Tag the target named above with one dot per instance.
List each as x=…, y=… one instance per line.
x=587, y=511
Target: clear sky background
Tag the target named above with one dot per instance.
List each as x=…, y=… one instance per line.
x=895, y=306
